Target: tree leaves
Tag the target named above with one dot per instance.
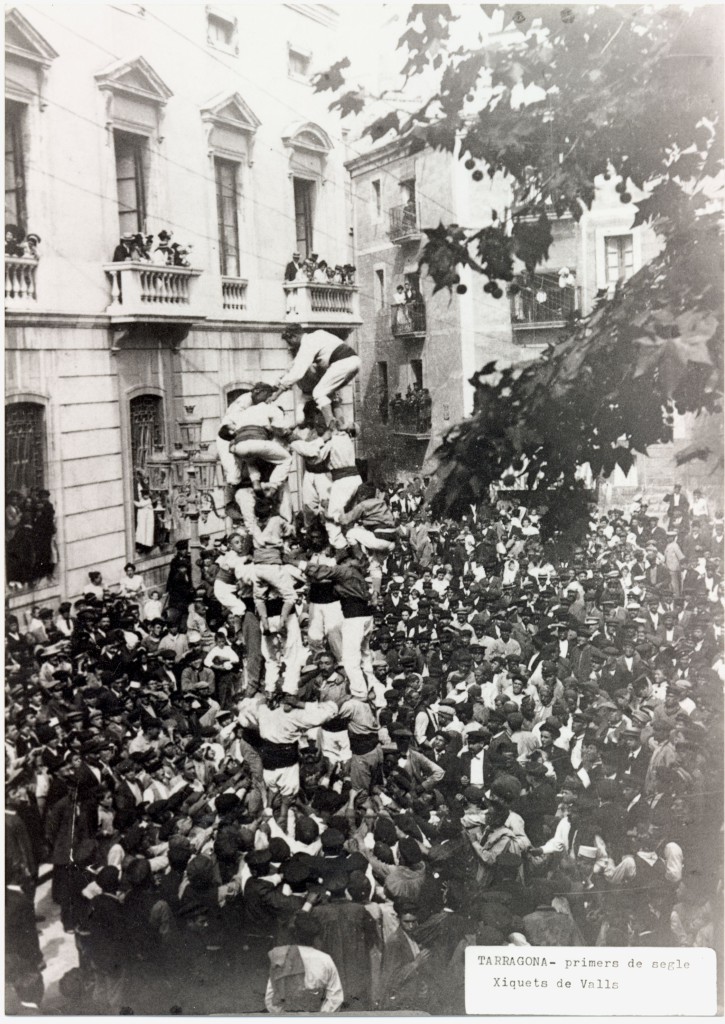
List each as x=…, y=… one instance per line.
x=351, y=102
x=569, y=94
x=332, y=79
x=388, y=123
x=604, y=394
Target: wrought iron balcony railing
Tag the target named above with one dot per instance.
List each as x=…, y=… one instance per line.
x=404, y=223
x=408, y=319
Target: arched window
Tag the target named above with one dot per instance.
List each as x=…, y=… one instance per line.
x=24, y=447
x=234, y=393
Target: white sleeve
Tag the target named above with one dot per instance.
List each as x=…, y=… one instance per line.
x=333, y=989
x=301, y=363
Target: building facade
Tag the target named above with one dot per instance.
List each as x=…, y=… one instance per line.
x=437, y=342
x=120, y=120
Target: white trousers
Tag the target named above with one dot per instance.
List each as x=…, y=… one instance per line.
x=264, y=451
x=229, y=462
x=278, y=648
x=335, y=746
x=336, y=376
x=325, y=623
x=285, y=781
x=315, y=494
x=367, y=539
x=278, y=578
x=340, y=493
x=226, y=595
x=356, y=657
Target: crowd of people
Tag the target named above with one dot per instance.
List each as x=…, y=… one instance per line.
x=139, y=248
x=412, y=414
x=353, y=740
x=314, y=270
x=30, y=552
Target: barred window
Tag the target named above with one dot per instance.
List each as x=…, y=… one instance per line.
x=147, y=431
x=24, y=447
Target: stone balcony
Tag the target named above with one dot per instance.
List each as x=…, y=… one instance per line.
x=320, y=305
x=234, y=297
x=20, y=283
x=143, y=292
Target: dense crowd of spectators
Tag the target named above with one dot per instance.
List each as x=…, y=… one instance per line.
x=537, y=760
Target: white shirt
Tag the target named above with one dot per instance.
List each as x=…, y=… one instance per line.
x=315, y=349
x=320, y=974
x=476, y=770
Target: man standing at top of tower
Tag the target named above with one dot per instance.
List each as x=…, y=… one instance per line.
x=323, y=356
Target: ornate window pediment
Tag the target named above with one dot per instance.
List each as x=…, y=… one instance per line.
x=135, y=96
x=134, y=77
x=309, y=146
x=28, y=55
x=230, y=126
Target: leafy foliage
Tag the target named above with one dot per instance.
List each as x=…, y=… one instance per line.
x=562, y=96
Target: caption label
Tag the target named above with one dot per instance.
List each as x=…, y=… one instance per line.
x=572, y=980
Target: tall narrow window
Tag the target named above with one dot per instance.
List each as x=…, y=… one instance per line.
x=147, y=431
x=377, y=200
x=619, y=255
x=379, y=288
x=153, y=521
x=304, y=191
x=416, y=373
x=409, y=214
x=24, y=447
x=383, y=391
x=15, y=212
x=227, y=199
x=130, y=181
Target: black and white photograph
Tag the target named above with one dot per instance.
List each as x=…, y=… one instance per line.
x=364, y=505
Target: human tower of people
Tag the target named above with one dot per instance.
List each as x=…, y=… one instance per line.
x=365, y=741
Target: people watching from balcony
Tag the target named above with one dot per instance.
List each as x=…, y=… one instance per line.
x=16, y=246
x=138, y=248
x=29, y=538
x=316, y=271
x=290, y=271
x=412, y=414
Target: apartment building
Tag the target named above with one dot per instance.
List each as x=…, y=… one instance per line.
x=192, y=119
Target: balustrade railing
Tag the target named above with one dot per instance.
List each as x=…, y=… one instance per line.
x=20, y=282
x=322, y=303
x=142, y=288
x=234, y=294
